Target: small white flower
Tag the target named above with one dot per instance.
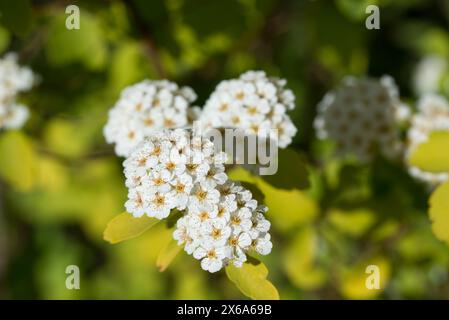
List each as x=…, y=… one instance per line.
x=260, y=225
x=197, y=171
x=241, y=220
x=228, y=191
x=263, y=245
x=211, y=257
x=158, y=181
x=225, y=207
x=202, y=196
x=136, y=203
x=239, y=244
x=245, y=200
x=200, y=214
x=214, y=176
x=15, y=116
x=186, y=235
x=160, y=205
x=216, y=231
x=181, y=187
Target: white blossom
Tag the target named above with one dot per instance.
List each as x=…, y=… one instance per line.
x=253, y=102
x=145, y=108
x=361, y=116
x=221, y=234
x=14, y=79
x=161, y=175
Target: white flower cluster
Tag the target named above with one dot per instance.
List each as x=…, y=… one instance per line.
x=253, y=102
x=173, y=169
x=432, y=115
x=222, y=231
x=361, y=116
x=145, y=108
x=169, y=170
x=13, y=80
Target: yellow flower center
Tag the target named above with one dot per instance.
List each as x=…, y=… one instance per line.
x=179, y=187
x=204, y=216
x=233, y=241
x=170, y=166
x=159, y=200
x=201, y=195
x=216, y=233
x=235, y=220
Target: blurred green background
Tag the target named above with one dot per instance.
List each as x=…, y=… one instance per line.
x=65, y=183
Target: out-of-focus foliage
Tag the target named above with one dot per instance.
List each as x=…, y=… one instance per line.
x=18, y=163
x=60, y=184
x=439, y=207
x=251, y=280
x=429, y=157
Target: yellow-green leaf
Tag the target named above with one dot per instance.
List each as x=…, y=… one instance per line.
x=301, y=207
x=433, y=155
x=125, y=227
x=355, y=279
x=352, y=222
x=288, y=208
x=300, y=261
x=18, y=165
x=167, y=254
x=251, y=280
x=439, y=212
x=59, y=131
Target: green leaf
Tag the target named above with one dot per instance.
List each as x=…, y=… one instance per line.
x=355, y=9
x=16, y=15
x=167, y=255
x=251, y=280
x=433, y=155
x=300, y=261
x=5, y=37
x=439, y=212
x=288, y=209
x=125, y=226
x=291, y=171
x=18, y=160
x=128, y=65
x=202, y=15
x=58, y=131
x=85, y=45
x=354, y=278
x=352, y=222
x=301, y=207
